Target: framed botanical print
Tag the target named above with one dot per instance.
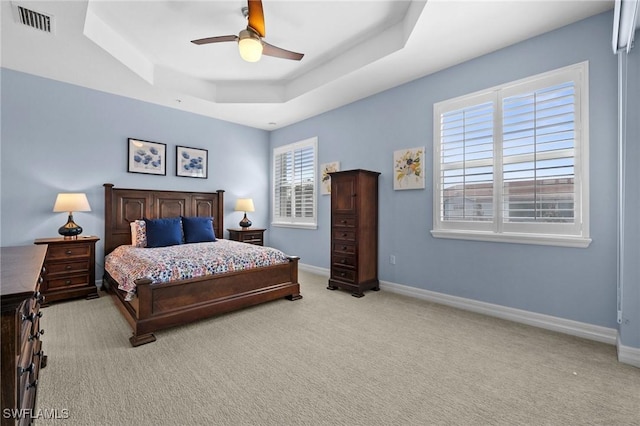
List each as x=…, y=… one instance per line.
x=147, y=157
x=191, y=162
x=408, y=167
x=325, y=169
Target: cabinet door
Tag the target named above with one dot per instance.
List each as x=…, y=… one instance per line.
x=343, y=194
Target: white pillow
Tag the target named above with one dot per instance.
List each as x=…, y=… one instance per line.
x=138, y=233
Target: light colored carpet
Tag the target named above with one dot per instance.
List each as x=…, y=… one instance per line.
x=330, y=359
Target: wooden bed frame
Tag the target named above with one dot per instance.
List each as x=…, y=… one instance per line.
x=165, y=305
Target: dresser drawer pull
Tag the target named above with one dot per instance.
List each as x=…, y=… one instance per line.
x=32, y=384
x=31, y=316
x=343, y=221
x=343, y=261
x=36, y=336
x=68, y=267
x=29, y=369
x=344, y=248
x=67, y=282
x=342, y=274
x=68, y=252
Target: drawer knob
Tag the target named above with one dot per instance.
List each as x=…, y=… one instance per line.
x=344, y=248
x=29, y=369
x=67, y=282
x=68, y=252
x=68, y=267
x=343, y=261
x=36, y=336
x=344, y=221
x=342, y=274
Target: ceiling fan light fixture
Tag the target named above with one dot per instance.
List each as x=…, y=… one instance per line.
x=250, y=46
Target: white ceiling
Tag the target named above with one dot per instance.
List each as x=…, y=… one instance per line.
x=353, y=48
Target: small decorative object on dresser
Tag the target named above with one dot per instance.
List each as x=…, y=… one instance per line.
x=244, y=205
x=354, y=231
x=247, y=235
x=69, y=268
x=22, y=354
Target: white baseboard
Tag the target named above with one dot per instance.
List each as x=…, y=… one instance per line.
x=628, y=355
x=548, y=322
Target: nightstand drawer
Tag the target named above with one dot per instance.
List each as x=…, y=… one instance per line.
x=76, y=280
x=66, y=251
x=67, y=267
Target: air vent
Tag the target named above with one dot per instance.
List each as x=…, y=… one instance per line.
x=34, y=19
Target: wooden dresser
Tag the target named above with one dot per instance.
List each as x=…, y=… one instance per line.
x=354, y=231
x=70, y=268
x=22, y=355
x=247, y=235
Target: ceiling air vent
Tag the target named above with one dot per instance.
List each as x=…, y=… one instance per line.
x=34, y=19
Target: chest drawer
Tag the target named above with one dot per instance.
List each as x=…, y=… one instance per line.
x=344, y=260
x=344, y=221
x=68, y=251
x=69, y=281
x=342, y=274
x=343, y=248
x=344, y=234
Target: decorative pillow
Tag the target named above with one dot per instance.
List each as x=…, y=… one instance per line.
x=138, y=233
x=163, y=232
x=198, y=229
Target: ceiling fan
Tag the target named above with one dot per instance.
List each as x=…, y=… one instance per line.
x=250, y=41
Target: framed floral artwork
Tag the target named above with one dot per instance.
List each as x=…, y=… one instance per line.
x=147, y=157
x=192, y=162
x=325, y=183
x=408, y=169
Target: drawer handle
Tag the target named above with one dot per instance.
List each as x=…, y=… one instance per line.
x=344, y=234
x=29, y=369
x=68, y=267
x=67, y=282
x=342, y=274
x=344, y=248
x=36, y=336
x=68, y=252
x=343, y=261
x=32, y=384
x=31, y=316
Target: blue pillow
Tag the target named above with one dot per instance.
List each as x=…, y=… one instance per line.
x=163, y=232
x=198, y=229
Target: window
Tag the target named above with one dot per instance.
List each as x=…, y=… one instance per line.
x=511, y=162
x=294, y=184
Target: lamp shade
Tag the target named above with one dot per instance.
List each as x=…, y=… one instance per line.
x=244, y=205
x=71, y=202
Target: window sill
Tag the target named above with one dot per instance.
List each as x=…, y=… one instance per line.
x=295, y=225
x=536, y=239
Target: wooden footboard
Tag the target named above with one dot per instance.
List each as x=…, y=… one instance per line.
x=165, y=305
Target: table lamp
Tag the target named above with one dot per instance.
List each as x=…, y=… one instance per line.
x=244, y=205
x=66, y=202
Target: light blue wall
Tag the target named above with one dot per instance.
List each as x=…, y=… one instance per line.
x=57, y=137
x=630, y=325
x=577, y=284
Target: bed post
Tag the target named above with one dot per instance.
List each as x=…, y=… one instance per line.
x=293, y=276
x=108, y=217
x=219, y=218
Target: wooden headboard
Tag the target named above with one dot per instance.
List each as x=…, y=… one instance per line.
x=123, y=206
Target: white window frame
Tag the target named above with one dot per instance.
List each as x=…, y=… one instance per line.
x=295, y=222
x=498, y=230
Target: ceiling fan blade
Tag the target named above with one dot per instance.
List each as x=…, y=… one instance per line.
x=256, y=16
x=271, y=50
x=218, y=39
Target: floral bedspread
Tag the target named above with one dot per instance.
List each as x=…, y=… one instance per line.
x=128, y=263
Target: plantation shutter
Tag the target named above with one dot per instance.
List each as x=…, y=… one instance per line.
x=294, y=183
x=466, y=164
x=539, y=155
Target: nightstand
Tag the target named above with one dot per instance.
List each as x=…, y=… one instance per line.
x=247, y=235
x=70, y=268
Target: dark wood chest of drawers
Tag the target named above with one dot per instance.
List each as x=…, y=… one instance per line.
x=354, y=231
x=22, y=354
x=70, y=268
